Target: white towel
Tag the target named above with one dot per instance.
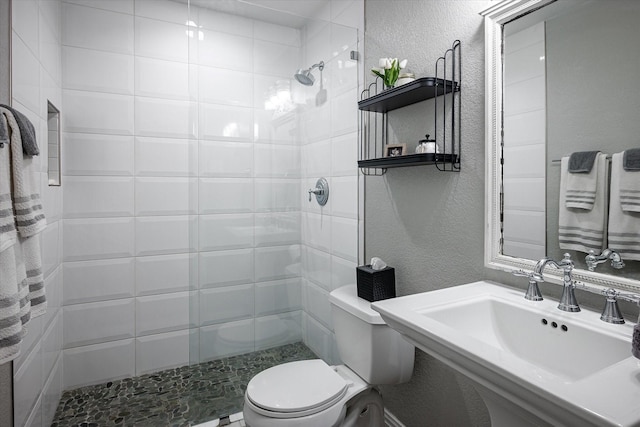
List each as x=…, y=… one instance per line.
x=582, y=229
x=581, y=187
x=27, y=207
x=629, y=187
x=21, y=219
x=624, y=225
x=35, y=279
x=7, y=224
x=14, y=303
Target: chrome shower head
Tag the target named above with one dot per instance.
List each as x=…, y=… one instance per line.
x=305, y=77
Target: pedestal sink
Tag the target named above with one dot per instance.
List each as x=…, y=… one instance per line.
x=531, y=363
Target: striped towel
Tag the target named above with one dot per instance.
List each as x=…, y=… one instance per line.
x=29, y=216
x=583, y=229
x=21, y=218
x=7, y=223
x=15, y=308
x=624, y=224
x=629, y=177
x=582, y=180
x=35, y=279
x=27, y=132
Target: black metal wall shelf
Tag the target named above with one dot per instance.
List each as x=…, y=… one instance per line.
x=374, y=123
x=408, y=160
x=418, y=90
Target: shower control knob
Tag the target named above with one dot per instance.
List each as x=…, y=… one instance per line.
x=321, y=191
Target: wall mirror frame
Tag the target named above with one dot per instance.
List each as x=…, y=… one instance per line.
x=495, y=18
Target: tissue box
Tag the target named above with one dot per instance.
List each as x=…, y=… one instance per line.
x=375, y=285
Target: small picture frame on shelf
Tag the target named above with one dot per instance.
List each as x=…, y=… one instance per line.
x=395, y=150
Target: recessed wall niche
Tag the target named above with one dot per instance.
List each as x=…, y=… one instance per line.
x=53, y=141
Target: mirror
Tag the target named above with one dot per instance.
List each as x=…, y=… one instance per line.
x=578, y=91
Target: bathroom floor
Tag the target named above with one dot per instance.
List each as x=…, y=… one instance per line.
x=183, y=396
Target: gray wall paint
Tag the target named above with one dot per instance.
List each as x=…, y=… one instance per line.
x=5, y=51
x=6, y=369
x=426, y=223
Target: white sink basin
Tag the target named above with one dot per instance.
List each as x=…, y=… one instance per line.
x=552, y=366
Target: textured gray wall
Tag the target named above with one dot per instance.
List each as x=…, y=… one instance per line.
x=5, y=44
x=6, y=369
x=428, y=224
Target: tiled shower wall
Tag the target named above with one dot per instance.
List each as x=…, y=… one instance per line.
x=329, y=149
x=183, y=194
x=36, y=77
x=171, y=161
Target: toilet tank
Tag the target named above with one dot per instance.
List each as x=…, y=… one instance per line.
x=367, y=345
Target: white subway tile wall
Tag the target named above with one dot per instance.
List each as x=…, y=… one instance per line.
x=185, y=233
x=162, y=351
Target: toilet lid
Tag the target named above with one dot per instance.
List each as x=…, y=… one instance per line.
x=302, y=386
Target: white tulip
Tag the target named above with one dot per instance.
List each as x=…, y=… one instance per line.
x=403, y=64
x=388, y=64
x=382, y=63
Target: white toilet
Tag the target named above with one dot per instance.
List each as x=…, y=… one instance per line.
x=314, y=394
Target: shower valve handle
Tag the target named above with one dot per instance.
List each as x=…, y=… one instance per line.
x=321, y=191
x=316, y=191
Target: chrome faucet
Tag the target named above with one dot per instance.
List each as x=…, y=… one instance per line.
x=593, y=260
x=568, y=301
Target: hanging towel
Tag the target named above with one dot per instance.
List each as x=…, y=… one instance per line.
x=27, y=207
x=14, y=303
x=582, y=180
x=27, y=131
x=29, y=217
x=4, y=133
x=631, y=160
x=22, y=218
x=583, y=229
x=582, y=161
x=624, y=225
x=7, y=223
x=34, y=278
x=630, y=181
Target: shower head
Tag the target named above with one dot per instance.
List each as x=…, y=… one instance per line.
x=305, y=77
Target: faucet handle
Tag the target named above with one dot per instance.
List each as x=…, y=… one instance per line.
x=520, y=273
x=533, y=292
x=616, y=260
x=566, y=262
x=591, y=260
x=611, y=311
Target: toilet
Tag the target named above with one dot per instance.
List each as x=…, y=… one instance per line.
x=311, y=393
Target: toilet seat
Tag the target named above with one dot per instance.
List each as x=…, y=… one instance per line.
x=296, y=389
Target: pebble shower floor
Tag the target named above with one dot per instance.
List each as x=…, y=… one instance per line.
x=184, y=396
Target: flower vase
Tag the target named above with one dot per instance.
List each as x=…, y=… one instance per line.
x=388, y=87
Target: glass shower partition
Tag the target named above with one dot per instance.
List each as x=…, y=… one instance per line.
x=259, y=248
